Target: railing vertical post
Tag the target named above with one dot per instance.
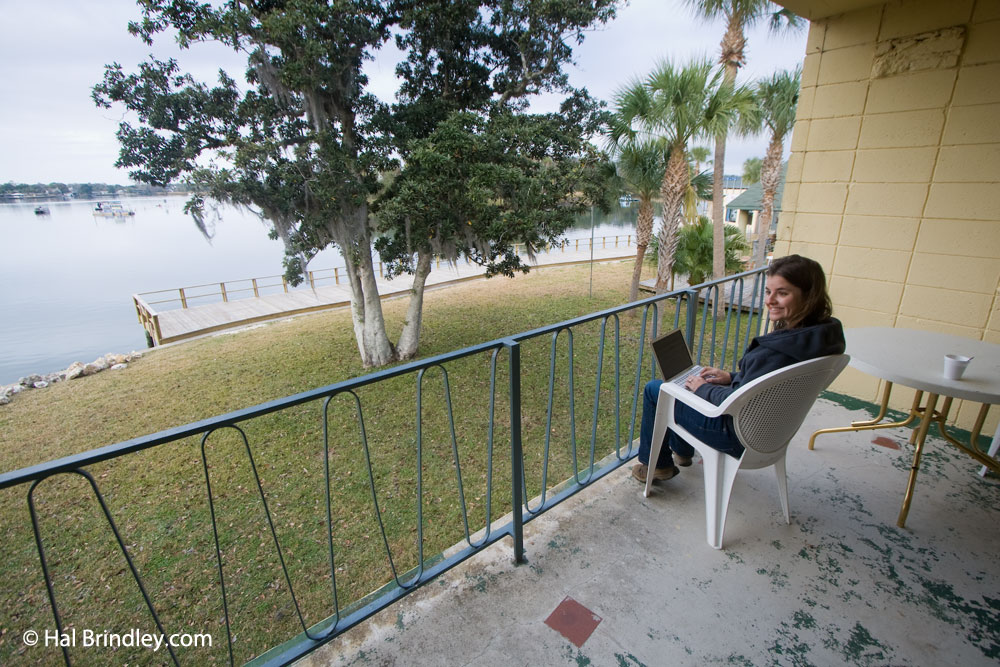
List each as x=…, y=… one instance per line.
x=516, y=452
x=312, y=280
x=222, y=288
x=692, y=315
x=184, y=301
x=336, y=276
x=256, y=292
x=284, y=283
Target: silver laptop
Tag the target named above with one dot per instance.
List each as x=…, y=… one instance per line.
x=674, y=358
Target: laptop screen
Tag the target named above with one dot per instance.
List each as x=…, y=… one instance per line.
x=672, y=354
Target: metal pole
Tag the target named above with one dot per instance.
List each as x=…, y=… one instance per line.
x=591, y=295
x=516, y=452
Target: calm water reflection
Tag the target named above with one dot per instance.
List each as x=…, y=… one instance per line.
x=68, y=277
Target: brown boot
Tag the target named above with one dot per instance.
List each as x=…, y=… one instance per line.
x=683, y=461
x=640, y=470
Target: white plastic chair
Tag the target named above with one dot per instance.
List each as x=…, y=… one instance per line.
x=766, y=413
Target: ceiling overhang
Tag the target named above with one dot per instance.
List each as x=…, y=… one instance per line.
x=819, y=9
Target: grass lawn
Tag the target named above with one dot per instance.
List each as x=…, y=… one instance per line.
x=158, y=497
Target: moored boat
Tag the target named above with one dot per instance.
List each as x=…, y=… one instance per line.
x=112, y=209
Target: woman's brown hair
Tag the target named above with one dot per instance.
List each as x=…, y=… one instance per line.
x=808, y=276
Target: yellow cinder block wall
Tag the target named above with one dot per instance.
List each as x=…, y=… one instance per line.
x=893, y=183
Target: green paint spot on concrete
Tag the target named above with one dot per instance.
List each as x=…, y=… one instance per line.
x=776, y=544
x=734, y=659
x=803, y=620
x=399, y=621
x=628, y=660
x=862, y=648
x=852, y=403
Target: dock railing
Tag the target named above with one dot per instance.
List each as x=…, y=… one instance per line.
x=244, y=288
x=276, y=528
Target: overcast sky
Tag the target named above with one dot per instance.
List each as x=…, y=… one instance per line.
x=52, y=52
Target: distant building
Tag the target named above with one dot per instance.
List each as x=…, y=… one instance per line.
x=732, y=187
x=744, y=210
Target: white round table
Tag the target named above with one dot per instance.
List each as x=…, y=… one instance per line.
x=916, y=359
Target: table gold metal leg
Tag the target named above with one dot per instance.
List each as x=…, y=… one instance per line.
x=971, y=448
x=872, y=424
x=921, y=435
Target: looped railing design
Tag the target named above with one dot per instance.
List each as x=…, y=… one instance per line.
x=587, y=341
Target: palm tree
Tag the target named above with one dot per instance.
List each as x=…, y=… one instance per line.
x=641, y=165
x=739, y=15
x=699, y=154
x=676, y=104
x=775, y=109
x=695, y=250
x=751, y=170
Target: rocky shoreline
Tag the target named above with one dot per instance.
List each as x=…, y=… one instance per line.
x=111, y=361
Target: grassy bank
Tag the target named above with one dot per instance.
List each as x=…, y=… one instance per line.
x=158, y=497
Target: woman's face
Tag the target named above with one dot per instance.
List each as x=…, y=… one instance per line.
x=782, y=298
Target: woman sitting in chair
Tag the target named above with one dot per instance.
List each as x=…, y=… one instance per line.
x=802, y=328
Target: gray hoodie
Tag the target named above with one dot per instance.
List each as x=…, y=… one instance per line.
x=778, y=349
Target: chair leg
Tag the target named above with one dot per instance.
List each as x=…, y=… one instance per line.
x=720, y=474
x=779, y=469
x=663, y=407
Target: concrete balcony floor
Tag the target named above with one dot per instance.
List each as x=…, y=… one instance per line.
x=840, y=585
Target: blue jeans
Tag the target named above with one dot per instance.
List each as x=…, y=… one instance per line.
x=716, y=432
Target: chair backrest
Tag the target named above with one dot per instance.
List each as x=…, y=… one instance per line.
x=768, y=411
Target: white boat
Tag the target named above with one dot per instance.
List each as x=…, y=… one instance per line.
x=112, y=209
x=626, y=201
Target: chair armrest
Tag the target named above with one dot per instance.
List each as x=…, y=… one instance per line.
x=693, y=400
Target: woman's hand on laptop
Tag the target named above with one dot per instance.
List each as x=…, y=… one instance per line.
x=715, y=376
x=693, y=382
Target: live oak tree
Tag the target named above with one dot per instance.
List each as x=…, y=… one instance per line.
x=307, y=146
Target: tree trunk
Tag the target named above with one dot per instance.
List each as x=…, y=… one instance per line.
x=672, y=194
x=633, y=290
x=733, y=47
x=409, y=339
x=643, y=232
x=366, y=306
x=770, y=174
x=718, y=209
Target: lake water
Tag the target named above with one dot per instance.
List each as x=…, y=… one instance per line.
x=67, y=278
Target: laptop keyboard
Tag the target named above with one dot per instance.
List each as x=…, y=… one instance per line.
x=680, y=379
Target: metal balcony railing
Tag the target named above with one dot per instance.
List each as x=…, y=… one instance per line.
x=293, y=557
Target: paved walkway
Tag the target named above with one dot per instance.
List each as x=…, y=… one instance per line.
x=619, y=580
x=169, y=326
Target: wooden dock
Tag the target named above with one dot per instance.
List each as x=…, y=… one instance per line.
x=749, y=300
x=183, y=321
